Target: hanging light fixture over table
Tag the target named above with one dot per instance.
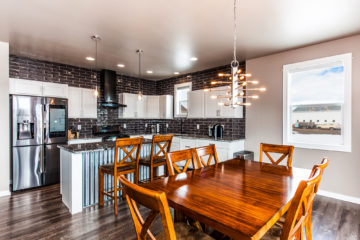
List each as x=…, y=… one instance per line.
x=237, y=81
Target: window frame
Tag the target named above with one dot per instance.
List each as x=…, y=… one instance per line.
x=176, y=87
x=346, y=59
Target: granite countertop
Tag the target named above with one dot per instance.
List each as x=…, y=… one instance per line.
x=91, y=147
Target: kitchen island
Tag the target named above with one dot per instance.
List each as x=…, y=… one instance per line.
x=79, y=171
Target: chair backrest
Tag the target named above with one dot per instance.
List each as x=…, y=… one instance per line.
x=154, y=200
x=285, y=150
x=324, y=163
x=301, y=207
x=134, y=144
x=186, y=155
x=163, y=143
x=207, y=151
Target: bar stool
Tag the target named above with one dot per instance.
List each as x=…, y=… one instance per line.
x=161, y=144
x=123, y=166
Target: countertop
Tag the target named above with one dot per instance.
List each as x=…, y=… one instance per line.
x=91, y=147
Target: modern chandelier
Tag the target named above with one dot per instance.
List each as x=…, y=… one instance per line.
x=238, y=83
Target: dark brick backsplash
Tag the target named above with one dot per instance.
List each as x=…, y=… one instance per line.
x=33, y=69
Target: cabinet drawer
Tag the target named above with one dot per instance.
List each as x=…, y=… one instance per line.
x=187, y=143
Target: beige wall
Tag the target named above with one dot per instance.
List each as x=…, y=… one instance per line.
x=4, y=119
x=264, y=117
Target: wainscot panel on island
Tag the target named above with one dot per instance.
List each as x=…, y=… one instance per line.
x=79, y=165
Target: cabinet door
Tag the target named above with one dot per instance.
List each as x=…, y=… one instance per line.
x=212, y=108
x=166, y=107
x=196, y=104
x=131, y=101
x=89, y=104
x=152, y=107
x=74, y=102
x=55, y=90
x=25, y=87
x=141, y=107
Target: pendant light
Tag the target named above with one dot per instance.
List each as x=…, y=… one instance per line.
x=96, y=38
x=140, y=96
x=237, y=81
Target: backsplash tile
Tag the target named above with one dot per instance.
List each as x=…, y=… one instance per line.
x=33, y=69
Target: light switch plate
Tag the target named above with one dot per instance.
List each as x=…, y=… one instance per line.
x=197, y=126
x=79, y=127
x=124, y=125
x=167, y=125
x=146, y=125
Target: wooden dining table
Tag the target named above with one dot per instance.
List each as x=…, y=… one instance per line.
x=239, y=198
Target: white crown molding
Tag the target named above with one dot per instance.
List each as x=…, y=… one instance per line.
x=339, y=196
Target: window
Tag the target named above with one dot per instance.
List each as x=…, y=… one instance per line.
x=318, y=89
x=181, y=98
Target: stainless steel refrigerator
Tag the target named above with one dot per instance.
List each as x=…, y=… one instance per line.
x=38, y=125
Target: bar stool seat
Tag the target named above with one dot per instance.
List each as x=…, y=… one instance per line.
x=110, y=168
x=147, y=161
x=185, y=232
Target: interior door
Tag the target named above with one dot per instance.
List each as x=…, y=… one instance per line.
x=27, y=167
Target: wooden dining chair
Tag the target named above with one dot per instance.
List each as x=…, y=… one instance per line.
x=207, y=151
x=156, y=201
x=285, y=150
x=298, y=217
x=187, y=156
x=125, y=165
x=161, y=144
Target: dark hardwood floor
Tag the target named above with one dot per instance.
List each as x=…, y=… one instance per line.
x=40, y=214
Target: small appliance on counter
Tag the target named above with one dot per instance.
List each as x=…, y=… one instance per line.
x=38, y=125
x=109, y=132
x=217, y=131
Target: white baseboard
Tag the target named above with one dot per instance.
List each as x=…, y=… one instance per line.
x=4, y=193
x=339, y=196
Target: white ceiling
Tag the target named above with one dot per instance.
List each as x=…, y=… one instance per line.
x=169, y=31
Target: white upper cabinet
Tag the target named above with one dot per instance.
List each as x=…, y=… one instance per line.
x=89, y=103
x=82, y=103
x=214, y=110
x=129, y=99
x=55, y=90
x=153, y=107
x=25, y=87
x=74, y=102
x=166, y=107
x=37, y=88
x=196, y=104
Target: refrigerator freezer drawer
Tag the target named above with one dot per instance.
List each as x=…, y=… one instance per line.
x=27, y=167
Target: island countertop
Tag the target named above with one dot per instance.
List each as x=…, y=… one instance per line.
x=91, y=147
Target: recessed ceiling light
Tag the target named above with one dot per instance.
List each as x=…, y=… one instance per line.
x=193, y=59
x=90, y=58
x=176, y=73
x=149, y=71
x=121, y=65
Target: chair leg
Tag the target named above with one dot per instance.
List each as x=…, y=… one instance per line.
x=308, y=230
x=151, y=173
x=115, y=196
x=101, y=188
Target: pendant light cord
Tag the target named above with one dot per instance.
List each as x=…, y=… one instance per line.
x=234, y=62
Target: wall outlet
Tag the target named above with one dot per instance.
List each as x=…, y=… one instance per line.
x=124, y=126
x=167, y=125
x=146, y=125
x=197, y=126
x=79, y=127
